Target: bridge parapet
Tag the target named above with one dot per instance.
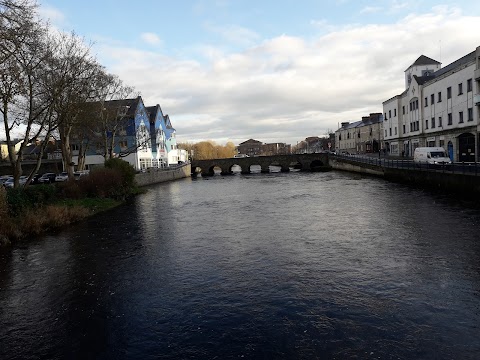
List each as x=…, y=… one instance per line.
x=307, y=162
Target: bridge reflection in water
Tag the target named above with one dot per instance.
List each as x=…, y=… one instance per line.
x=302, y=162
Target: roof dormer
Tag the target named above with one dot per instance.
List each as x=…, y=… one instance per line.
x=423, y=66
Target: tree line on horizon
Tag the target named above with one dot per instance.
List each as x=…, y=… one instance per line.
x=205, y=150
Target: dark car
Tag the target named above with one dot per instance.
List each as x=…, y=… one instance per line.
x=47, y=178
x=35, y=179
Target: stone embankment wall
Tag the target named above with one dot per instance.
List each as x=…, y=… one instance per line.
x=467, y=185
x=353, y=166
x=463, y=184
x=155, y=176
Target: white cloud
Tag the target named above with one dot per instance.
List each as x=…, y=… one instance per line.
x=287, y=88
x=151, y=38
x=234, y=34
x=370, y=10
x=398, y=5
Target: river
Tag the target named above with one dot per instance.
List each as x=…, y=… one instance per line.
x=263, y=266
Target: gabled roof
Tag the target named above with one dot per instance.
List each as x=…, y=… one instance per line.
x=130, y=104
x=168, y=123
x=423, y=79
x=153, y=112
x=352, y=125
x=462, y=61
x=457, y=63
x=424, y=60
x=251, y=141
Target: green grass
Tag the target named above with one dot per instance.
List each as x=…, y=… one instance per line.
x=93, y=205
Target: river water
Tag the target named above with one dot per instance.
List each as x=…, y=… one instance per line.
x=262, y=266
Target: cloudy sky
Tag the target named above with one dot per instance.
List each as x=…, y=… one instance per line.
x=272, y=70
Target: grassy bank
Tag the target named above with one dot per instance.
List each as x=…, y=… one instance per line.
x=34, y=210
x=46, y=217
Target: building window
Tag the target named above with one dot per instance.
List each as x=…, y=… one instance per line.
x=449, y=92
x=416, y=104
x=460, y=89
x=469, y=85
x=432, y=99
x=403, y=109
x=439, y=121
x=74, y=147
x=395, y=130
x=394, y=112
x=404, y=129
x=411, y=107
x=433, y=123
x=460, y=117
x=386, y=116
x=470, y=114
x=390, y=131
x=389, y=113
x=411, y=127
x=418, y=125
x=449, y=121
x=426, y=101
x=426, y=124
x=439, y=96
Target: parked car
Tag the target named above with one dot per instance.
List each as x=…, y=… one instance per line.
x=4, y=178
x=10, y=182
x=62, y=177
x=47, y=178
x=35, y=179
x=77, y=175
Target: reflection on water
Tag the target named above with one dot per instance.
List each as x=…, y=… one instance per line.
x=254, y=169
x=298, y=265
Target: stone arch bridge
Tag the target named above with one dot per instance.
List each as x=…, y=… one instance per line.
x=304, y=162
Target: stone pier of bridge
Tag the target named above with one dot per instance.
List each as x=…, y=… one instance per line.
x=304, y=162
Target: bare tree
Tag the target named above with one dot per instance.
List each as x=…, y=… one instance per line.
x=73, y=72
x=24, y=49
x=112, y=113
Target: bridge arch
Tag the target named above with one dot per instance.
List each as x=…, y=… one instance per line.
x=305, y=162
x=317, y=165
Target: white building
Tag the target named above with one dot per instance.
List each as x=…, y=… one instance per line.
x=439, y=107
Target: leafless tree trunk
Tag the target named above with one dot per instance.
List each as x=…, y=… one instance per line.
x=24, y=48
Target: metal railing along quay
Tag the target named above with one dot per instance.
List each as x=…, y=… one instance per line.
x=408, y=164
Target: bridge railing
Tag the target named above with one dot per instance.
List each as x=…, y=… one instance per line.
x=467, y=168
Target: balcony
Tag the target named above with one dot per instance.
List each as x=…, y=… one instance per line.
x=476, y=99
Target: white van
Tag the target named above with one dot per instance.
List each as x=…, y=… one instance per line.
x=433, y=156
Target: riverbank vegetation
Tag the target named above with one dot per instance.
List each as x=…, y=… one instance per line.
x=33, y=210
x=205, y=150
